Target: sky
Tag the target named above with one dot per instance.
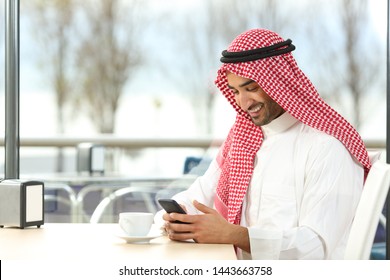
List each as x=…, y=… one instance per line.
x=378, y=10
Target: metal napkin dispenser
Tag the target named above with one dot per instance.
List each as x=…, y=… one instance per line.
x=90, y=158
x=21, y=203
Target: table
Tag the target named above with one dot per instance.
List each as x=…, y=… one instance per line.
x=87, y=242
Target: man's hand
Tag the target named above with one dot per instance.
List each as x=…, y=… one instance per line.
x=209, y=227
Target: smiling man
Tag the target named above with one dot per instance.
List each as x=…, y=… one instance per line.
x=251, y=98
x=288, y=178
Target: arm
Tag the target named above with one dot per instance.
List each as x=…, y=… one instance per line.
x=206, y=224
x=202, y=189
x=331, y=187
x=334, y=183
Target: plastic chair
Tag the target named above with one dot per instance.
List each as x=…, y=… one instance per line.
x=103, y=205
x=368, y=213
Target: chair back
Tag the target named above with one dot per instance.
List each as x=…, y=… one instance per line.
x=368, y=212
x=104, y=204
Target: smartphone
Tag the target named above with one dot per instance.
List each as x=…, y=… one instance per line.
x=171, y=206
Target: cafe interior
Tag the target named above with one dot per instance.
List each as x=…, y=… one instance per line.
x=74, y=211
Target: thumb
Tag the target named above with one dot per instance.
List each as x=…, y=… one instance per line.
x=203, y=208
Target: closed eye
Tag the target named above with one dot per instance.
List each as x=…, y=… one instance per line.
x=235, y=92
x=255, y=88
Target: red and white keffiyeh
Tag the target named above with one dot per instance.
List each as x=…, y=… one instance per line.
x=280, y=77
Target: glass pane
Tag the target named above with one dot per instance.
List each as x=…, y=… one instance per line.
x=135, y=74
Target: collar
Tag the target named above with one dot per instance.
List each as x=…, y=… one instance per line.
x=278, y=125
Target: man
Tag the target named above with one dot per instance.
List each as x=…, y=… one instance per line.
x=288, y=178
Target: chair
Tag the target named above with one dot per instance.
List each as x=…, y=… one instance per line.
x=196, y=165
x=103, y=205
x=368, y=213
x=71, y=201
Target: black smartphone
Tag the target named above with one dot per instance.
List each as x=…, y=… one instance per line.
x=171, y=206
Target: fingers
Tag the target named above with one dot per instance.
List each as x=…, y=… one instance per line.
x=181, y=218
x=181, y=236
x=167, y=217
x=177, y=229
x=190, y=218
x=180, y=232
x=203, y=208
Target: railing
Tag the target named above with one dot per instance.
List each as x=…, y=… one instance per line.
x=140, y=143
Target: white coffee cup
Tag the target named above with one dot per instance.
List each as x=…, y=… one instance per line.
x=136, y=223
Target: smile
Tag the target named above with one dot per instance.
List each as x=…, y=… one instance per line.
x=253, y=111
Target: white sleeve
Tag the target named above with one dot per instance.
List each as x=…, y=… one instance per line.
x=332, y=188
x=202, y=190
x=296, y=243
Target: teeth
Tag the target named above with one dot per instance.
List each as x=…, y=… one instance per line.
x=255, y=109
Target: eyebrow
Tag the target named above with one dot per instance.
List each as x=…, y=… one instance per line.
x=243, y=84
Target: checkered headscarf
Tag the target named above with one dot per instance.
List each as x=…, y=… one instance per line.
x=280, y=77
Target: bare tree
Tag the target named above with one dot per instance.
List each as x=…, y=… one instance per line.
x=348, y=55
x=52, y=27
x=106, y=57
x=361, y=67
x=207, y=34
x=2, y=45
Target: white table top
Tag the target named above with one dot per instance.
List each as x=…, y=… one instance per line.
x=98, y=241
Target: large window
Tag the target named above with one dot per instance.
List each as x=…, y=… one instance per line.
x=137, y=69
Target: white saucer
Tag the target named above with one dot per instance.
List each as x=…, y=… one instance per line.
x=138, y=239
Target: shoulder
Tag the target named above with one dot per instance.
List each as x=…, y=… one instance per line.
x=319, y=138
x=321, y=144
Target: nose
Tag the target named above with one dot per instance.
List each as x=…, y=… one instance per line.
x=244, y=100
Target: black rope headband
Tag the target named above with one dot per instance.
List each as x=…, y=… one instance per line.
x=250, y=55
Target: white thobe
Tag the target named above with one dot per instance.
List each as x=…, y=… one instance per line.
x=302, y=196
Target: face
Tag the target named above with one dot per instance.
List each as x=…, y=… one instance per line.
x=251, y=98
